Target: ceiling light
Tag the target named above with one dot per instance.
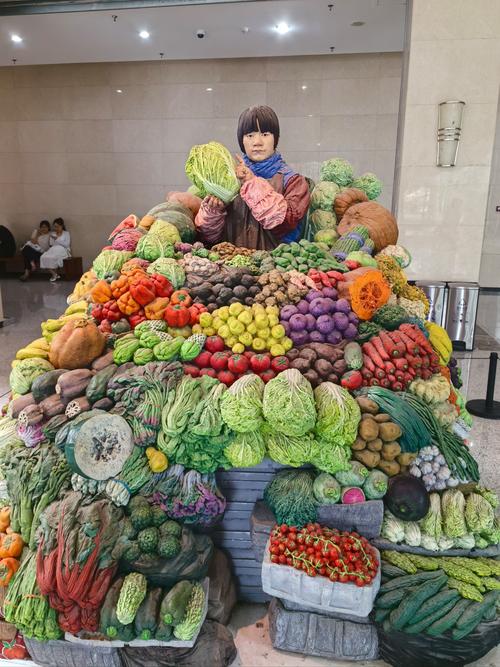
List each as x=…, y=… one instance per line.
x=304, y=87
x=209, y=90
x=144, y=34
x=119, y=90
x=357, y=24
x=282, y=28
x=16, y=38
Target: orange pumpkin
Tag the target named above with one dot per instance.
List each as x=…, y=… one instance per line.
x=346, y=198
x=4, y=519
x=76, y=345
x=11, y=546
x=368, y=293
x=147, y=221
x=188, y=200
x=379, y=221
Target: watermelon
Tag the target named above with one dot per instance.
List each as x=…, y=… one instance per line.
x=98, y=447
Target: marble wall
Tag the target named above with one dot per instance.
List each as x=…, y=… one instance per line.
x=72, y=145
x=453, y=52
x=490, y=258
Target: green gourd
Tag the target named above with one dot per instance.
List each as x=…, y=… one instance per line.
x=194, y=612
x=174, y=604
x=96, y=388
x=409, y=606
x=131, y=596
x=146, y=618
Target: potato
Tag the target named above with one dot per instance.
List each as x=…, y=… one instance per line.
x=368, y=429
x=382, y=417
x=390, y=468
x=367, y=458
x=358, y=444
x=389, y=432
x=390, y=450
x=367, y=405
x=375, y=445
x=406, y=459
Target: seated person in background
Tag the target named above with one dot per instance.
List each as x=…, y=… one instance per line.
x=35, y=247
x=60, y=249
x=7, y=242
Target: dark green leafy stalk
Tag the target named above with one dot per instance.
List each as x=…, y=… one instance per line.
x=290, y=496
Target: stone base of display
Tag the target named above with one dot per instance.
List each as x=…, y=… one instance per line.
x=60, y=653
x=222, y=596
x=314, y=634
x=214, y=647
x=294, y=606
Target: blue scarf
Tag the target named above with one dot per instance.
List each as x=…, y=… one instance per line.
x=267, y=169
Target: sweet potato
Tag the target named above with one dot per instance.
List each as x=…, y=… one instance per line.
x=323, y=367
x=300, y=364
x=368, y=429
x=390, y=450
x=312, y=376
x=389, y=432
x=390, y=468
x=308, y=354
x=367, y=458
x=340, y=366
x=367, y=405
x=382, y=417
x=358, y=444
x=375, y=445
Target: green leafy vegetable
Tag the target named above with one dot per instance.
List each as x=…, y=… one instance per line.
x=338, y=415
x=241, y=405
x=290, y=495
x=289, y=450
x=289, y=404
x=337, y=170
x=210, y=168
x=246, y=450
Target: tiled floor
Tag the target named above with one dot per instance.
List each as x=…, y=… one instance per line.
x=30, y=303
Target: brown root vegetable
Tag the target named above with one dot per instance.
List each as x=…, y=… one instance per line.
x=406, y=459
x=293, y=354
x=368, y=429
x=103, y=404
x=359, y=444
x=340, y=366
x=300, y=364
x=323, y=367
x=375, y=445
x=19, y=403
x=389, y=432
x=313, y=377
x=324, y=350
x=382, y=418
x=367, y=405
x=390, y=468
x=309, y=354
x=52, y=406
x=333, y=378
x=102, y=361
x=390, y=450
x=367, y=458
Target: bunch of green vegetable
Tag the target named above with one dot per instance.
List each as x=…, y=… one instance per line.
x=210, y=168
x=288, y=404
x=303, y=256
x=290, y=495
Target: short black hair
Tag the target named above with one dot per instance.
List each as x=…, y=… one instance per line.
x=44, y=223
x=59, y=221
x=258, y=118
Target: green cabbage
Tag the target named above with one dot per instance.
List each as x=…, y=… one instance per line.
x=322, y=220
x=326, y=489
x=356, y=475
x=289, y=450
x=453, y=506
x=327, y=236
x=165, y=231
x=108, y=261
x=375, y=486
x=428, y=542
x=393, y=529
x=323, y=196
x=289, y=403
x=210, y=168
x=170, y=269
x=337, y=170
x=370, y=184
x=241, y=405
x=331, y=458
x=25, y=371
x=431, y=524
x=465, y=542
x=338, y=415
x=150, y=247
x=246, y=450
x=413, y=535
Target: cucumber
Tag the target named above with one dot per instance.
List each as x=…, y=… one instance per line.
x=381, y=615
x=447, y=621
x=473, y=615
x=411, y=603
x=438, y=601
x=420, y=626
x=391, y=599
x=392, y=571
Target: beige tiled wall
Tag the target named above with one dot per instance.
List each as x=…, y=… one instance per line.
x=490, y=258
x=71, y=145
x=454, y=54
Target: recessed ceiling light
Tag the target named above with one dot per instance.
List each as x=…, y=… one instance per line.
x=16, y=38
x=209, y=90
x=144, y=34
x=357, y=24
x=119, y=90
x=304, y=87
x=282, y=28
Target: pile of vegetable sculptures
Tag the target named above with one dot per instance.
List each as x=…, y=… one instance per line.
x=173, y=361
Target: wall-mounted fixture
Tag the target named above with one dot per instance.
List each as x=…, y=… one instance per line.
x=450, y=115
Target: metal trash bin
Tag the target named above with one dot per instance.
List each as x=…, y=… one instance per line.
x=461, y=314
x=437, y=294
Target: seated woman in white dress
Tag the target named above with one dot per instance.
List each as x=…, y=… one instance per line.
x=60, y=249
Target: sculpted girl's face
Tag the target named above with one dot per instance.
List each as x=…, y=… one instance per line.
x=258, y=145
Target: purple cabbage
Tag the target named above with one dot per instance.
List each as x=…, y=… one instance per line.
x=303, y=307
x=325, y=324
x=287, y=312
x=297, y=322
x=310, y=322
x=350, y=332
x=343, y=306
x=313, y=294
x=341, y=321
x=334, y=337
x=299, y=338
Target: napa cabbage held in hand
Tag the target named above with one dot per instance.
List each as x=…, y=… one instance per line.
x=210, y=168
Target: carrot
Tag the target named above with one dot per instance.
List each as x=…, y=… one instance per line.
x=384, y=382
x=391, y=378
x=408, y=377
x=388, y=344
x=411, y=372
x=426, y=373
x=400, y=376
x=411, y=346
x=367, y=375
x=374, y=382
x=396, y=339
x=389, y=367
x=369, y=349
x=425, y=361
x=368, y=363
x=415, y=362
x=397, y=386
x=401, y=363
x=377, y=343
x=416, y=335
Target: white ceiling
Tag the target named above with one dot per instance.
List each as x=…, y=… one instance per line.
x=95, y=37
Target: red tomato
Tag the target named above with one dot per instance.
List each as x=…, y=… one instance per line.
x=219, y=360
x=190, y=369
x=260, y=363
x=267, y=375
x=238, y=363
x=203, y=359
x=208, y=371
x=214, y=344
x=226, y=377
x=279, y=364
x=248, y=354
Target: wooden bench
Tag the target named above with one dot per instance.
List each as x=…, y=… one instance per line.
x=72, y=268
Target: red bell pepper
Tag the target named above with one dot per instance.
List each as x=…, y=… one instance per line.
x=142, y=290
x=177, y=316
x=195, y=310
x=136, y=318
x=181, y=296
x=162, y=285
x=111, y=312
x=96, y=312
